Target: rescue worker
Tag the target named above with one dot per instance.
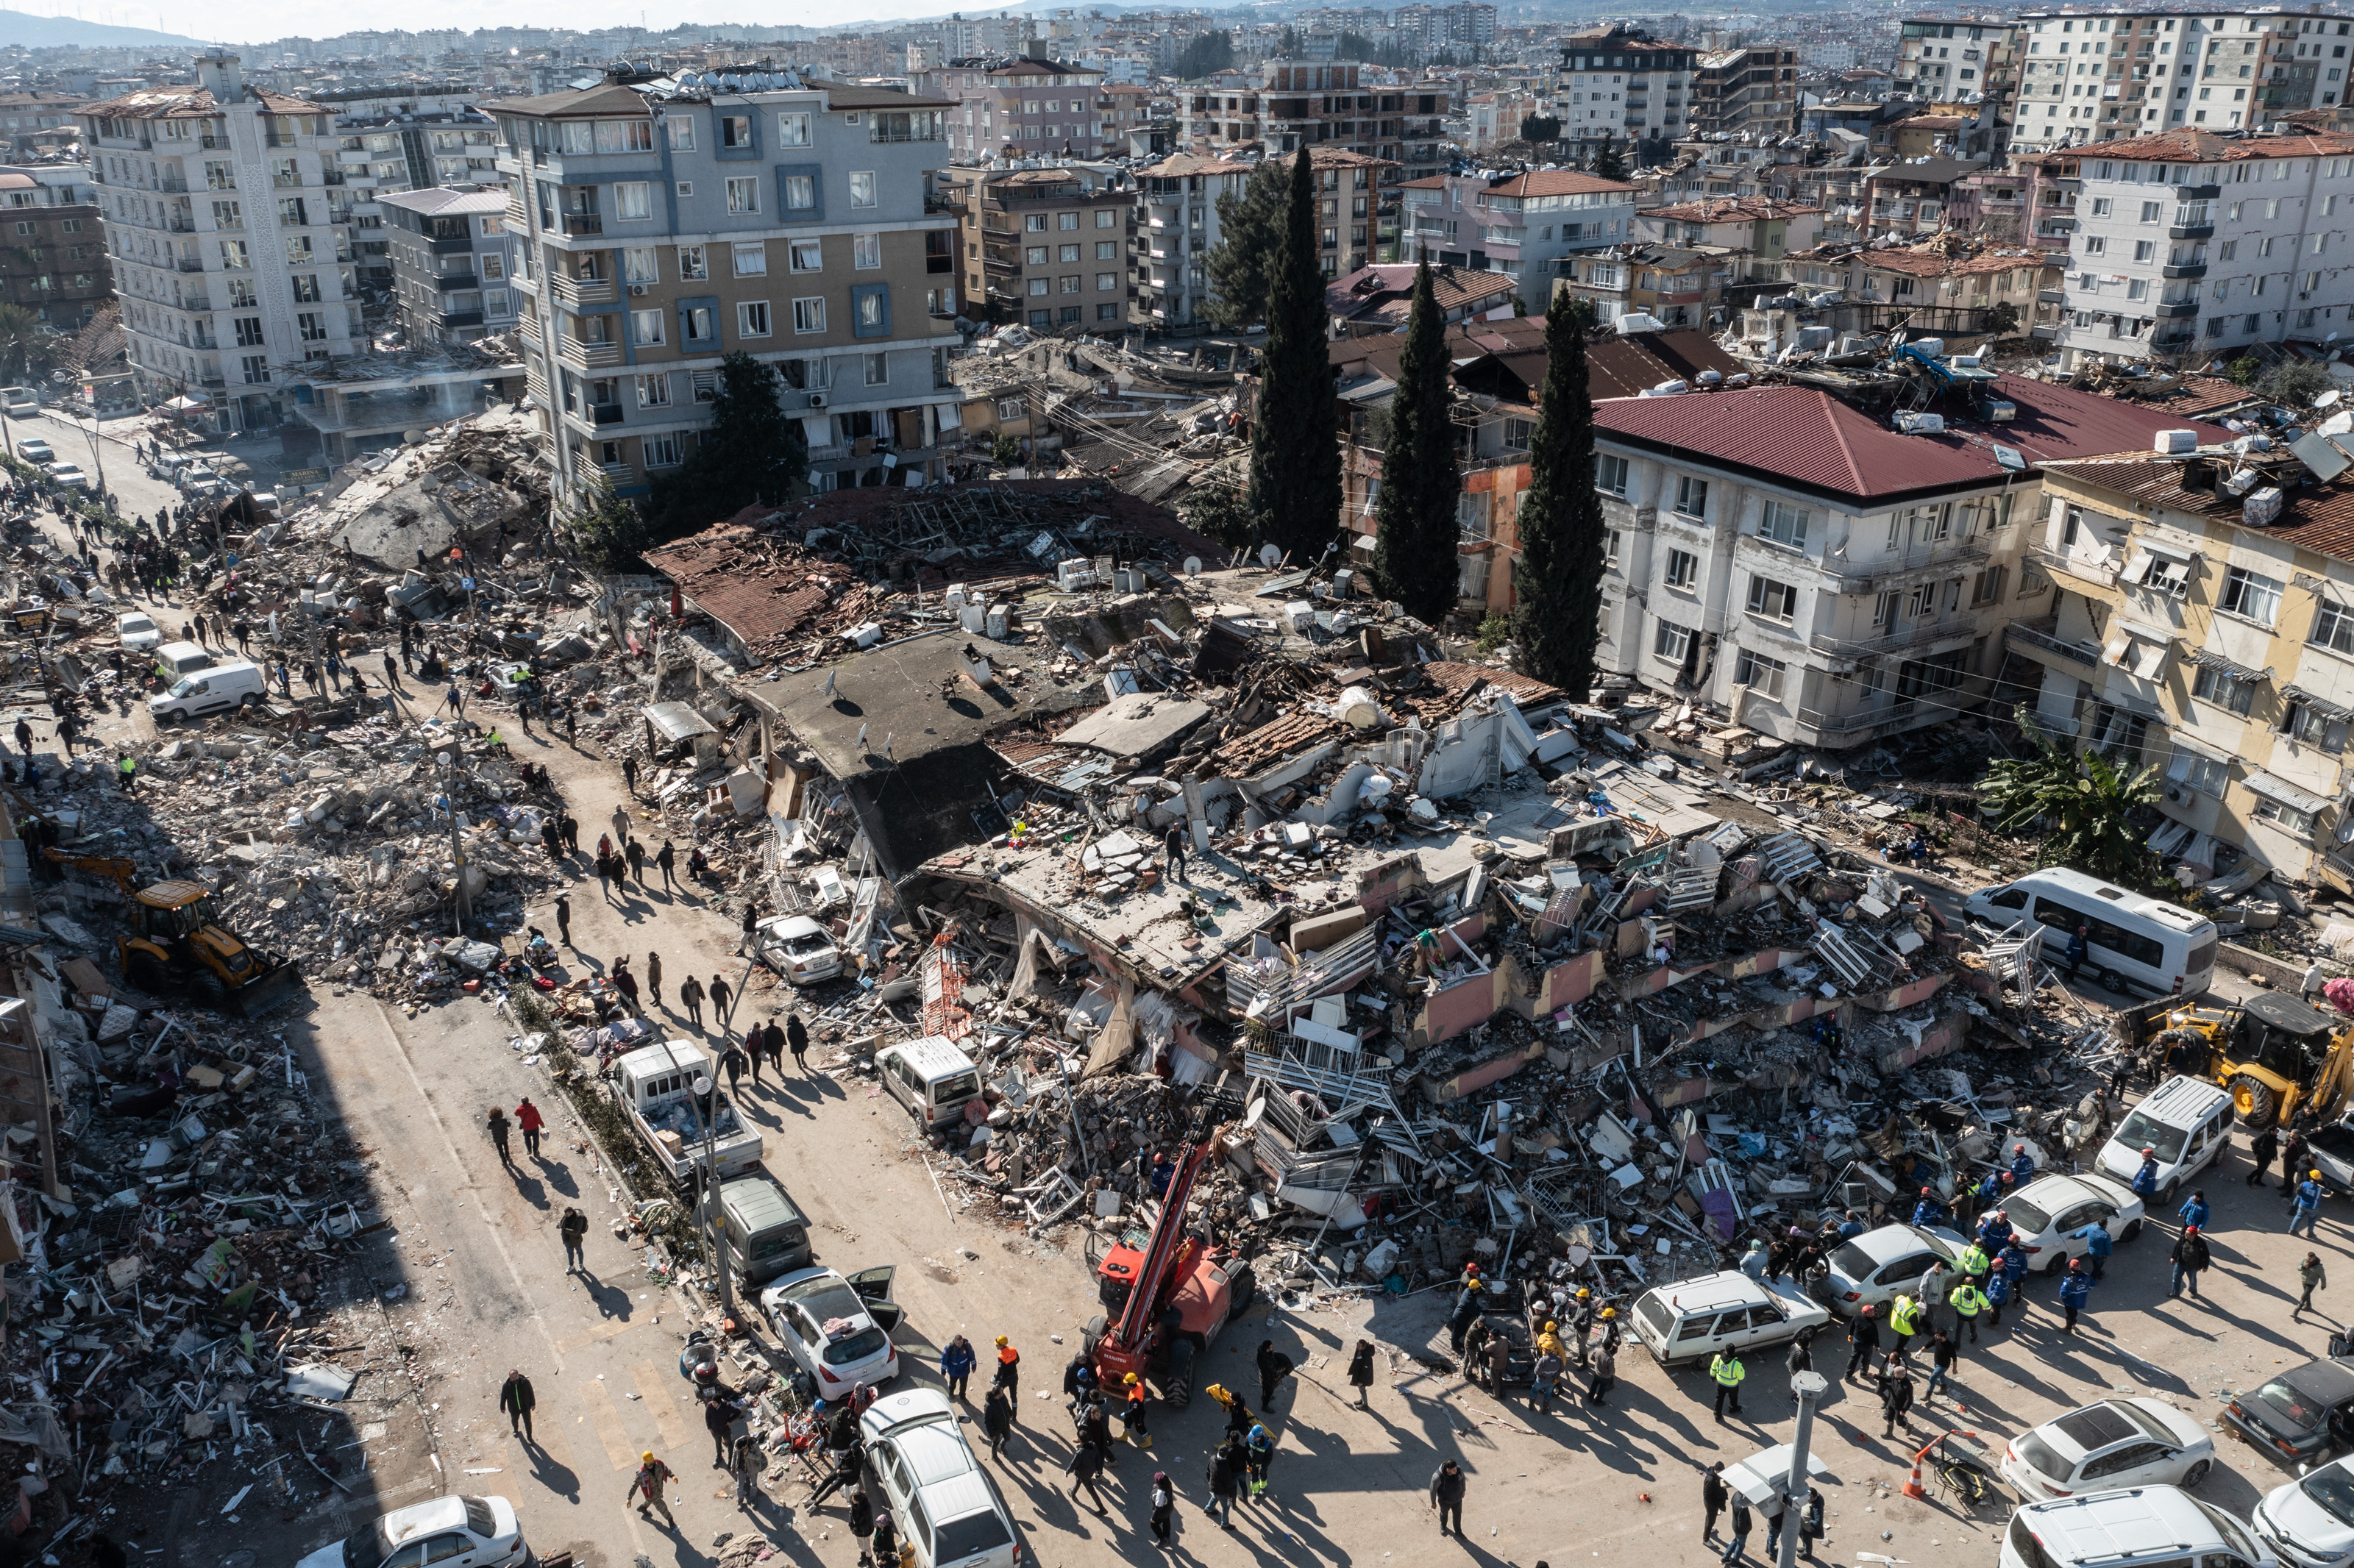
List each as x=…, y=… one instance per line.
x=1903, y=1323
x=2022, y=1164
x=2145, y=1181
x=2098, y=1244
x=2073, y=1290
x=1727, y=1372
x=1930, y=1210
x=1864, y=1334
x=1967, y=1302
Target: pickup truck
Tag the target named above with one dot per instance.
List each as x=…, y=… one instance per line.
x=2330, y=1150
x=653, y=1086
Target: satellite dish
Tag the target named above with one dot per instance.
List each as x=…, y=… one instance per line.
x=1268, y=555
x=60, y=375
x=1192, y=565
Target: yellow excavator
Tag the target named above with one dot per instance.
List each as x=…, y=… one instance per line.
x=2276, y=1054
x=176, y=942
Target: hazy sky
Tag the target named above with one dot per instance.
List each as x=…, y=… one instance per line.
x=257, y=21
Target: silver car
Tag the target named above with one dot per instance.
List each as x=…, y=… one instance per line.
x=1881, y=1265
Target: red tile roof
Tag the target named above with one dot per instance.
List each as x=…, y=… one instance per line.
x=1557, y=182
x=1811, y=440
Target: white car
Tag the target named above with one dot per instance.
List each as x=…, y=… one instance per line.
x=1689, y=1322
x=799, y=948
x=2116, y=1443
x=946, y=1505
x=2309, y=1522
x=2048, y=1211
x=67, y=473
x=837, y=1329
x=465, y=1532
x=138, y=632
x=36, y=451
x=1881, y=1265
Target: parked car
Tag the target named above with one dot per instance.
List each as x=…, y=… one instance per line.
x=2048, y=1213
x=1687, y=1323
x=837, y=1329
x=36, y=451
x=466, y=1533
x=1885, y=1263
x=799, y=948
x=2185, y=1122
x=2116, y=1443
x=198, y=480
x=67, y=473
x=2137, y=1527
x=137, y=632
x=2300, y=1415
x=944, y=1501
x=2309, y=1522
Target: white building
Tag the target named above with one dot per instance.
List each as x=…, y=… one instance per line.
x=1616, y=84
x=2095, y=76
x=1176, y=226
x=2189, y=242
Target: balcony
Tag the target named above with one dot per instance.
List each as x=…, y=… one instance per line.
x=579, y=291
x=2198, y=193
x=461, y=318
x=587, y=355
x=2038, y=639
x=447, y=282
x=180, y=224
x=582, y=224
x=2083, y=569
x=189, y=264
x=2191, y=231
x=2173, y=342
x=2190, y=270
x=2167, y=308
x=174, y=183
x=446, y=244
x=2052, y=296
x=604, y=413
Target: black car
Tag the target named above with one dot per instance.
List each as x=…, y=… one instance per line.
x=2301, y=1415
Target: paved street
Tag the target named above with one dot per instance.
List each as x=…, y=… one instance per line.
x=474, y=1252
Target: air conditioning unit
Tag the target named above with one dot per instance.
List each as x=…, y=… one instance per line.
x=2174, y=793
x=637, y=291
x=817, y=399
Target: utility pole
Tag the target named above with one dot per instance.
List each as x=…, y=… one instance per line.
x=457, y=846
x=707, y=1219
x=1809, y=1387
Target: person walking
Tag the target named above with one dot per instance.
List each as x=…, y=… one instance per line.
x=2310, y=1275
x=2308, y=1204
x=1172, y=845
x=1864, y=1334
x=627, y=984
x=1258, y=1455
x=1998, y=1295
x=1085, y=1466
x=772, y=1045
x=1544, y=1377
x=1739, y=1543
x=497, y=1126
x=1446, y=1496
x=2261, y=1150
x=957, y=1362
x=1713, y=1495
x=1904, y=1323
x=1943, y=1354
x=997, y=1419
x=621, y=824
x=1361, y=1371
x=573, y=1228
x=2098, y=1245
x=690, y=997
x=749, y=1463
x=564, y=918
x=1008, y=1375
x=1273, y=1366
x=1895, y=1397
x=2191, y=1258
x=1225, y=1480
x=732, y=1060
x=630, y=775
x=647, y=1485
x=635, y=850
x=571, y=826
x=653, y=978
x=796, y=1040
x=861, y=1525
x=1163, y=1503
x=515, y=1402
x=718, y=1418
x=1602, y=1370
x=527, y=1117
x=664, y=861
x=2075, y=1289
x=1727, y=1372
x=719, y=995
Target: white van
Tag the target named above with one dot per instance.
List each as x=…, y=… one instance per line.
x=2139, y=1527
x=175, y=661
x=2185, y=1122
x=19, y=402
x=931, y=1077
x=2133, y=943
x=235, y=684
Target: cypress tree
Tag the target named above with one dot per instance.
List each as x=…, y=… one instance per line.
x=1295, y=472
x=1414, y=555
x=1563, y=544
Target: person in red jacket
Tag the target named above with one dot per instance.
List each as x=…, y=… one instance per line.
x=527, y=1117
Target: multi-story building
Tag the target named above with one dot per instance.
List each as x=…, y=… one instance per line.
x=659, y=226
x=1940, y=61
x=1618, y=85
x=1031, y=105
x=1177, y=226
x=399, y=139
x=2098, y=76
x=1279, y=106
x=1911, y=200
x=1459, y=29
x=52, y=250
x=1946, y=287
x=220, y=223
x=1750, y=91
x=2189, y=242
x=1759, y=227
x=37, y=120
x=449, y=262
x=1523, y=224
x=1047, y=247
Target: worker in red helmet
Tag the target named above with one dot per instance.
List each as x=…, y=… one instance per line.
x=2191, y=1259
x=1864, y=1334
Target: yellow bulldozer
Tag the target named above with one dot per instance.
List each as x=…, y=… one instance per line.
x=176, y=942
x=2276, y=1054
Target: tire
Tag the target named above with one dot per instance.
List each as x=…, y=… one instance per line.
x=1242, y=1290
x=208, y=988
x=166, y=719
x=2254, y=1101
x=248, y=701
x=2113, y=982
x=1177, y=1382
x=146, y=974
x=2131, y=1231
x=2197, y=1473
x=2171, y=1190
x=2058, y=1266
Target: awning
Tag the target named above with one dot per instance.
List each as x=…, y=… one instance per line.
x=2136, y=653
x=2287, y=794
x=2321, y=705
x=2223, y=666
x=2162, y=568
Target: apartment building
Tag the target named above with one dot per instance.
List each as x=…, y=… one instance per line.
x=1047, y=247
x=1176, y=226
x=1617, y=84
x=1815, y=575
x=2189, y=242
x=2203, y=626
x=1969, y=68
x=32, y=120
x=2096, y=77
x=660, y=225
x=449, y=253
x=1460, y=28
x=52, y=249
x=1029, y=105
x=400, y=139
x=1946, y=287
x=1678, y=285
x=1280, y=105
x=1522, y=224
x=1911, y=200
x=1759, y=227
x=1752, y=91
x=220, y=223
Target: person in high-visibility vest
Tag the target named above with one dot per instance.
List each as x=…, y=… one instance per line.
x=1905, y=1322
x=1976, y=1261
x=1967, y=1302
x=1728, y=1372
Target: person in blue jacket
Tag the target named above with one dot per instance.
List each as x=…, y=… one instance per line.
x=1994, y=1230
x=1851, y=1227
x=2022, y=1164
x=2097, y=1247
x=2145, y=1182
x=956, y=1365
x=1928, y=1211
x=1999, y=1292
x=2193, y=1211
x=2308, y=1203
x=2013, y=1259
x=2073, y=1290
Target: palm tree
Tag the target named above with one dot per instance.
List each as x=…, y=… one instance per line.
x=2086, y=800
x=26, y=346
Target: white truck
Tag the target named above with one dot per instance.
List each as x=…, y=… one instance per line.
x=654, y=1086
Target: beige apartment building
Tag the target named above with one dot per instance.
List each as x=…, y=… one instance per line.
x=1046, y=248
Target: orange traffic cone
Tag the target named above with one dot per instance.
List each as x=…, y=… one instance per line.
x=1912, y=1487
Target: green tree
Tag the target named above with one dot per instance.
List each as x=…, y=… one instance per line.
x=1414, y=546
x=2084, y=800
x=1355, y=46
x=613, y=535
x=1287, y=45
x=1004, y=451
x=2002, y=317
x=1295, y=471
x=2243, y=371
x=752, y=450
x=2296, y=382
x=1540, y=127
x=1205, y=54
x=1250, y=234
x=1563, y=544
x=1608, y=163
x=26, y=346
x=1217, y=511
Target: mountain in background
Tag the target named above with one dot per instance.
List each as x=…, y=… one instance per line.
x=23, y=28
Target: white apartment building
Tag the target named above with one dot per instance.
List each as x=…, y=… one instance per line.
x=1176, y=226
x=232, y=256
x=2096, y=77
x=2189, y=242
x=1938, y=59
x=1616, y=84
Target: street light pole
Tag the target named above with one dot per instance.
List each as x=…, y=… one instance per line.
x=708, y=1220
x=1809, y=1387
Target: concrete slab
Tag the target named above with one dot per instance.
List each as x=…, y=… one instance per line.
x=1135, y=724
